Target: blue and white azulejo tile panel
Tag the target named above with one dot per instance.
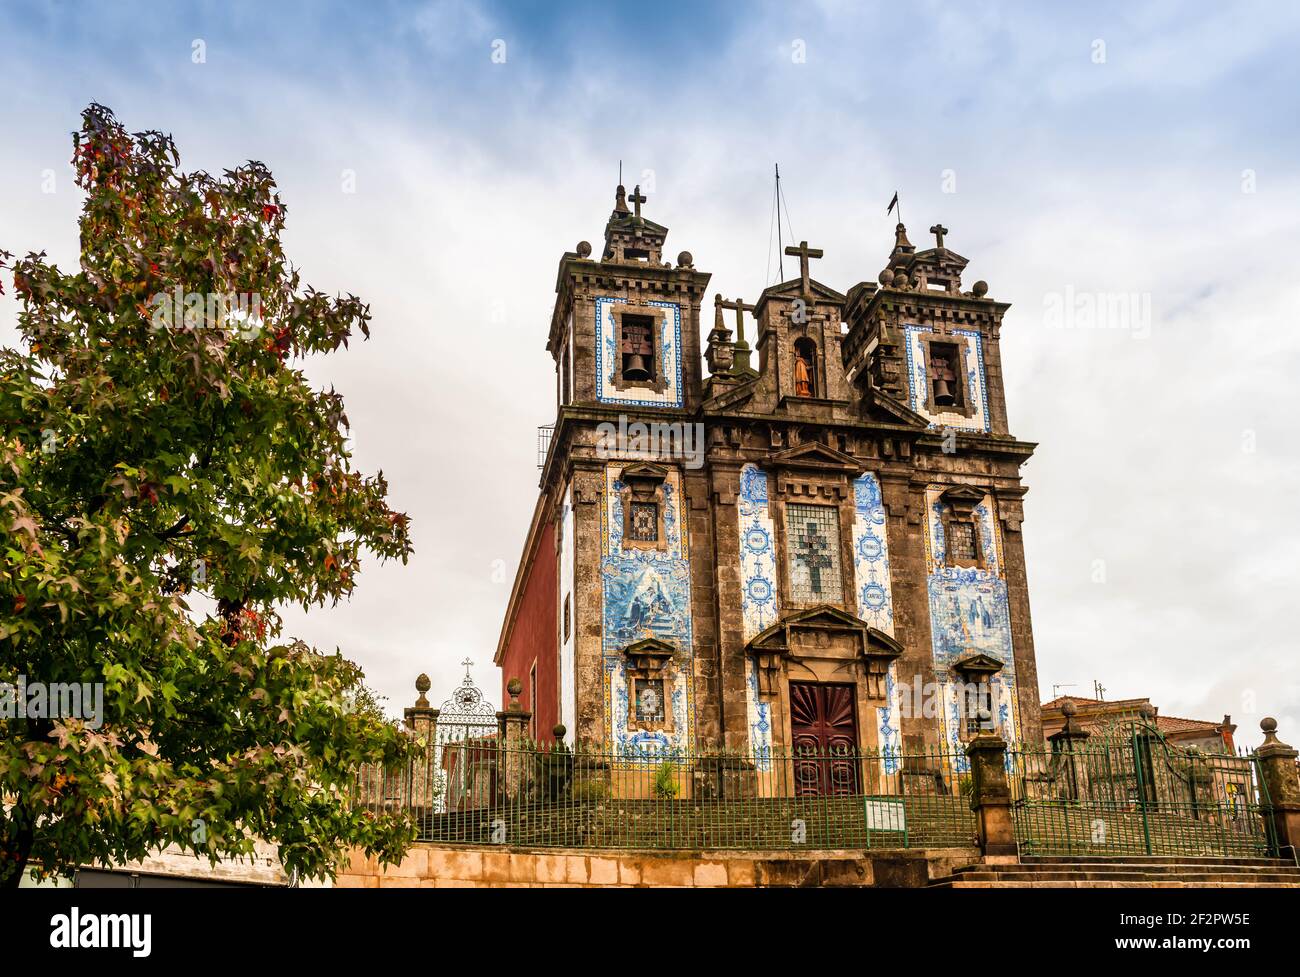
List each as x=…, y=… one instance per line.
x=875, y=601
x=970, y=614
x=670, y=346
x=758, y=595
x=973, y=366
x=646, y=593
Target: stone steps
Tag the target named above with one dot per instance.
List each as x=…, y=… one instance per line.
x=1127, y=872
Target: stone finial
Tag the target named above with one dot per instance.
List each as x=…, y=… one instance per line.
x=900, y=278
x=1269, y=725
x=886, y=277
x=685, y=260
x=514, y=687
x=901, y=243
x=620, y=202
x=1068, y=709
x=980, y=289
x=559, y=731
x=1147, y=711
x=422, y=685
x=584, y=249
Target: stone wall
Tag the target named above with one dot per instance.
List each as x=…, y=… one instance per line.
x=430, y=866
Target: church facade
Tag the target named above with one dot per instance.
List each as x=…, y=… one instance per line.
x=818, y=543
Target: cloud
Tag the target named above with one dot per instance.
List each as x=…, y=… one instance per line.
x=1171, y=457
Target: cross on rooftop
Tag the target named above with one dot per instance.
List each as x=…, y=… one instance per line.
x=803, y=253
x=637, y=198
x=939, y=231
x=741, y=308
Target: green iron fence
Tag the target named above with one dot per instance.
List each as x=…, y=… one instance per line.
x=543, y=795
x=1131, y=792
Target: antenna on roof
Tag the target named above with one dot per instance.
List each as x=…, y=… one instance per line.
x=1061, y=685
x=620, y=173
x=780, y=245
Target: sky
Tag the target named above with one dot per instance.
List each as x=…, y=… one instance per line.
x=438, y=158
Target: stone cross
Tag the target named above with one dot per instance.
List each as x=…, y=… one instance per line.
x=741, y=308
x=637, y=198
x=803, y=252
x=939, y=231
x=815, y=555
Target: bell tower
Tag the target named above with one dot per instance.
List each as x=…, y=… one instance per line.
x=618, y=483
x=625, y=329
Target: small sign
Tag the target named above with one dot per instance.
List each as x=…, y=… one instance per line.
x=885, y=816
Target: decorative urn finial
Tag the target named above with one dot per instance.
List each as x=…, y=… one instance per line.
x=422, y=686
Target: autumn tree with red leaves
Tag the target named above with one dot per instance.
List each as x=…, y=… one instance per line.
x=167, y=479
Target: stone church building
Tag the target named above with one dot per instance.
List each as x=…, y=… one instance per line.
x=802, y=548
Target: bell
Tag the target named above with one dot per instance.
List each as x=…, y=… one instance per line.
x=943, y=394
x=635, y=369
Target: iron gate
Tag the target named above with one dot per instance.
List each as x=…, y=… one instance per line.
x=1130, y=791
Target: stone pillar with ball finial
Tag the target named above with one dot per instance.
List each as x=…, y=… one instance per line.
x=514, y=740
x=422, y=722
x=1279, y=802
x=991, y=795
x=1071, y=771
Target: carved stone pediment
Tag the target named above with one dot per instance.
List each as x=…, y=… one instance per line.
x=963, y=499
x=976, y=666
x=643, y=472
x=813, y=469
x=822, y=632
x=813, y=456
x=649, y=656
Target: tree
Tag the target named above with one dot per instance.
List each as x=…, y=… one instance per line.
x=167, y=479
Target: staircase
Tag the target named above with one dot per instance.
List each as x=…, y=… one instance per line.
x=1127, y=871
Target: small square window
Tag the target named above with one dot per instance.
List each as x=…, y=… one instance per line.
x=961, y=542
x=644, y=527
x=649, y=700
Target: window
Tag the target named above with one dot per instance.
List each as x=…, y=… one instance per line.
x=638, y=348
x=644, y=524
x=946, y=383
x=813, y=543
x=961, y=543
x=805, y=368
x=979, y=707
x=566, y=617
x=649, y=700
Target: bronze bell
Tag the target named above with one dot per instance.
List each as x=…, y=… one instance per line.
x=635, y=368
x=943, y=394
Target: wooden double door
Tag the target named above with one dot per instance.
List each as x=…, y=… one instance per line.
x=824, y=739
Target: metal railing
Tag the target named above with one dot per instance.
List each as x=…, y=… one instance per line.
x=1134, y=793
x=544, y=434
x=546, y=796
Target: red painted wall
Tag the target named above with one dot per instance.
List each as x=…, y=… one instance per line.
x=535, y=636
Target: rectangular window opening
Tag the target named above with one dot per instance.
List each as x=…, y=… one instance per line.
x=961, y=542
x=645, y=522
x=814, y=546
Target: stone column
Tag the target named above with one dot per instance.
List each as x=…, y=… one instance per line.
x=991, y=794
x=1280, y=805
x=422, y=721
x=513, y=743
